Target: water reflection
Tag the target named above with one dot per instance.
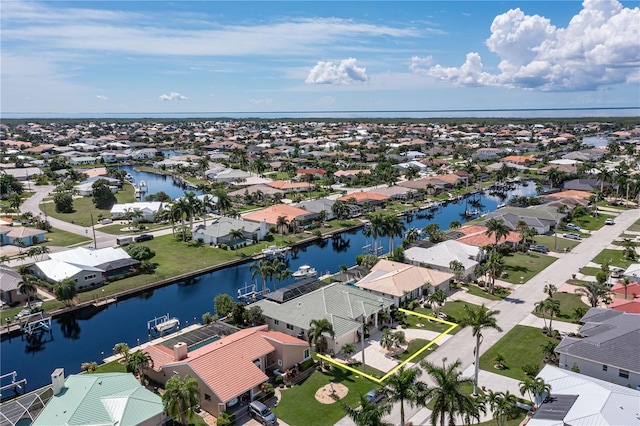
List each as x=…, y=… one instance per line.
x=69, y=327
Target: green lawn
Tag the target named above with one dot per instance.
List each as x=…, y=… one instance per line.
x=414, y=346
x=589, y=270
x=591, y=223
x=521, y=267
x=84, y=208
x=120, y=229
x=515, y=421
x=615, y=257
x=568, y=303
x=112, y=367
x=453, y=309
x=550, y=242
x=477, y=291
x=522, y=345
x=635, y=227
x=299, y=406
x=58, y=237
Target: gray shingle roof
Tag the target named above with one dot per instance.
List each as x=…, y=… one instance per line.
x=340, y=304
x=610, y=337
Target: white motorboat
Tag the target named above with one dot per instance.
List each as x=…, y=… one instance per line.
x=272, y=251
x=167, y=325
x=305, y=271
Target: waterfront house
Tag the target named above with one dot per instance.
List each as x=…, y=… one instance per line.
x=218, y=231
x=230, y=369
x=100, y=399
x=607, y=348
x=344, y=306
x=440, y=256
x=10, y=282
x=88, y=267
x=290, y=187
x=403, y=282
x=362, y=197
x=149, y=210
x=316, y=206
x=577, y=399
x=476, y=235
x=272, y=213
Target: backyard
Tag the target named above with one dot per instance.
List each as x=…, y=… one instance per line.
x=521, y=346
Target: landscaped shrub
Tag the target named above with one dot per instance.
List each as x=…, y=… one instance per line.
x=306, y=364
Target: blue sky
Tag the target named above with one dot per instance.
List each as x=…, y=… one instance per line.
x=213, y=56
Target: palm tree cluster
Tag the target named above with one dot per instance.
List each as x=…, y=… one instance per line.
x=384, y=225
x=270, y=268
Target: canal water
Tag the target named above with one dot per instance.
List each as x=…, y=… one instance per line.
x=88, y=335
x=156, y=183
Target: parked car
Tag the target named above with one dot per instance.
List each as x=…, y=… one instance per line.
x=572, y=226
x=609, y=222
x=573, y=236
x=23, y=313
x=374, y=396
x=616, y=272
x=540, y=248
x=143, y=237
x=260, y=412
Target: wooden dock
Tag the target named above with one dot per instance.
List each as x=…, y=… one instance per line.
x=104, y=301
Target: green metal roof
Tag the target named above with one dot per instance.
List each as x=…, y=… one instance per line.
x=100, y=399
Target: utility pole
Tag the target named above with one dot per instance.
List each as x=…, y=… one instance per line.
x=362, y=337
x=95, y=244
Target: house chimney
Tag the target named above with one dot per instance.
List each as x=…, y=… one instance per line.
x=57, y=380
x=180, y=351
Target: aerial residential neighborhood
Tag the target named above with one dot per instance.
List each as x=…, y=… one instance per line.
x=301, y=264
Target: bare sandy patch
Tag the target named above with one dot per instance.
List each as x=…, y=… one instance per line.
x=333, y=392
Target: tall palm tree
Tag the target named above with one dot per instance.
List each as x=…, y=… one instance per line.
x=478, y=319
x=495, y=267
x=317, y=330
x=535, y=387
x=181, y=209
x=282, y=224
x=368, y=414
x=236, y=235
x=264, y=268
x=207, y=204
x=624, y=283
x=195, y=206
x=28, y=286
x=436, y=301
x=448, y=396
x=393, y=227
x=457, y=267
x=412, y=235
x=503, y=406
x=180, y=397
x=497, y=228
x=376, y=229
x=455, y=224
x=405, y=386
x=138, y=362
x=224, y=203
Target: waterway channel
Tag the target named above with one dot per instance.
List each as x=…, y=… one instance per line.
x=90, y=334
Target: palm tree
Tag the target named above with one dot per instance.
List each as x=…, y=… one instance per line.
x=550, y=289
x=535, y=387
x=224, y=203
x=121, y=349
x=137, y=362
x=282, y=224
x=322, y=217
x=594, y=291
x=411, y=173
x=457, y=267
x=448, y=396
x=624, y=283
x=195, y=207
x=236, y=235
x=317, y=330
x=180, y=397
x=405, y=386
x=28, y=286
x=15, y=202
x=479, y=319
x=497, y=228
x=503, y=406
x=368, y=414
x=455, y=224
x=207, y=204
x=436, y=301
x=181, y=209
x=393, y=227
x=412, y=235
x=549, y=351
x=340, y=209
x=376, y=229
x=386, y=339
x=263, y=268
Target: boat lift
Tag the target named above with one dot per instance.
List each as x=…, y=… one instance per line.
x=15, y=384
x=251, y=292
x=35, y=322
x=162, y=323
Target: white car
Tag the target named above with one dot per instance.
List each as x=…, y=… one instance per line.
x=609, y=222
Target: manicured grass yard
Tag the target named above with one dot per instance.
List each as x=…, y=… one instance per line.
x=58, y=237
x=83, y=208
x=615, y=257
x=453, y=309
x=414, y=346
x=300, y=407
x=635, y=227
x=477, y=291
x=589, y=270
x=123, y=229
x=525, y=265
x=550, y=242
x=520, y=346
x=568, y=303
x=591, y=223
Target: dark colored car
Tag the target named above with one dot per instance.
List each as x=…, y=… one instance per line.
x=540, y=248
x=143, y=237
x=261, y=413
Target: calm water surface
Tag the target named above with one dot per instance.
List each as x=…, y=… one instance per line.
x=84, y=336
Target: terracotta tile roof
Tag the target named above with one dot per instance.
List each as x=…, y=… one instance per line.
x=282, y=184
x=475, y=235
x=271, y=214
x=630, y=306
x=281, y=337
x=363, y=196
x=518, y=159
x=311, y=171
x=225, y=365
x=632, y=289
x=570, y=193
x=352, y=172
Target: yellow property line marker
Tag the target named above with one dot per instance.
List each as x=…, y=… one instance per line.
x=403, y=363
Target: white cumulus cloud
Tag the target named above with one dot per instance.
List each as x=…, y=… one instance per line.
x=173, y=96
x=598, y=47
x=417, y=64
x=346, y=72
x=101, y=97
